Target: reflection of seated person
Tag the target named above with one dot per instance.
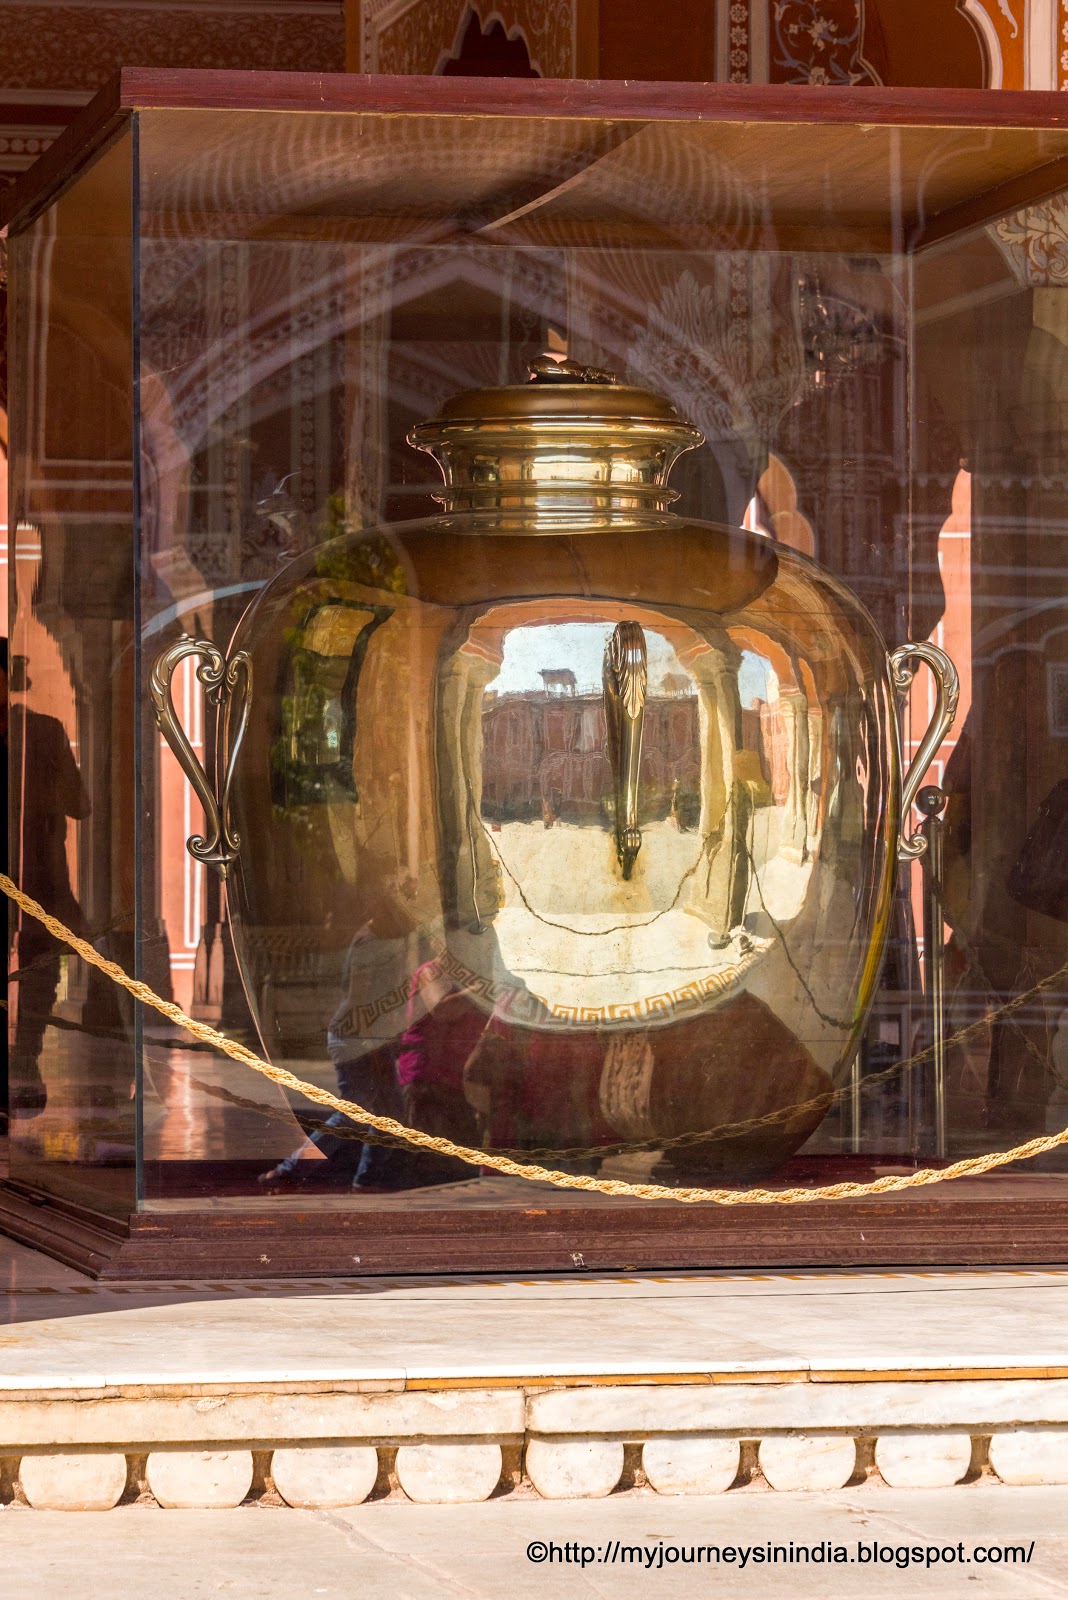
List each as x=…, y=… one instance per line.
x=490, y=1082
x=444, y=1026
x=341, y=1153
x=455, y=1073
x=417, y=1079
x=52, y=791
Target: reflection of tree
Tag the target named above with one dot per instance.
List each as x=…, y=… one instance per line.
x=312, y=754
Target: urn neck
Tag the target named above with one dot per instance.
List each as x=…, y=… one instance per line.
x=570, y=446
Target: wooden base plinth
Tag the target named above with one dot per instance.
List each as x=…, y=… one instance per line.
x=981, y=1224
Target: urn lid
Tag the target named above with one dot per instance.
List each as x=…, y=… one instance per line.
x=571, y=439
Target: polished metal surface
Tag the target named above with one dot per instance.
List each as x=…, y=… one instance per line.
x=227, y=683
x=626, y=680
x=578, y=819
x=569, y=442
x=932, y=802
x=549, y=369
x=947, y=695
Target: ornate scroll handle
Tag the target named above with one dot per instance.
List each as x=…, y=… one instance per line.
x=227, y=684
x=910, y=848
x=626, y=677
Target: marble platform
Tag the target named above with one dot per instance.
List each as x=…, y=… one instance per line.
x=325, y=1393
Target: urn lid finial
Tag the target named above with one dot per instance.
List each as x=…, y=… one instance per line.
x=547, y=369
x=572, y=439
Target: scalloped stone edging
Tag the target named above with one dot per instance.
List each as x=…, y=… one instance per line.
x=318, y=1447
x=464, y=1471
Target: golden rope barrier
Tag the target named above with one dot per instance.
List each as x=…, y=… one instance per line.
x=973, y=1166
x=723, y=1130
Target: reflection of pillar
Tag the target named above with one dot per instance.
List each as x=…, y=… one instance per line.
x=588, y=313
x=468, y=865
x=718, y=891
x=793, y=707
x=365, y=358
x=845, y=816
x=1018, y=553
x=96, y=749
x=815, y=773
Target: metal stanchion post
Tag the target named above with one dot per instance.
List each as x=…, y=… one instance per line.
x=854, y=1105
x=931, y=801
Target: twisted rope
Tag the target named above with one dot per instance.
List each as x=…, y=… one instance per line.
x=971, y=1167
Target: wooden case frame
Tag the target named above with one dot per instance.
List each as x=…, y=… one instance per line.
x=1000, y=1220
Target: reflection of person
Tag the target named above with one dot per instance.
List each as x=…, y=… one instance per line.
x=367, y=1073
x=443, y=1027
x=350, y=1161
x=52, y=792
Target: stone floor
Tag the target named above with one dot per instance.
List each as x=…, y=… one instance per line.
x=68, y=1331
x=419, y=1390
x=384, y=1552
x=466, y=1389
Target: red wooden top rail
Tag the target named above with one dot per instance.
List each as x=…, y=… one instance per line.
x=136, y=89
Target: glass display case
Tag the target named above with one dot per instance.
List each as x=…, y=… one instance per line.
x=540, y=608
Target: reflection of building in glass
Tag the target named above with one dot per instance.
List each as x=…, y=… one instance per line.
x=544, y=756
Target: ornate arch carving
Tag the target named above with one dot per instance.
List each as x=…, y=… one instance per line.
x=1002, y=27
x=490, y=31
x=415, y=36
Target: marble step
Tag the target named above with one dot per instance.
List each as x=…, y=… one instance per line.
x=448, y=1389
x=316, y=1446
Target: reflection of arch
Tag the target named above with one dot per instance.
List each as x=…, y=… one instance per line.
x=773, y=509
x=794, y=734
x=954, y=629
x=1020, y=40
x=761, y=644
x=954, y=633
x=686, y=350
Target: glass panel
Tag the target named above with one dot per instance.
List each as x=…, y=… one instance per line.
x=72, y=688
x=568, y=811
x=990, y=556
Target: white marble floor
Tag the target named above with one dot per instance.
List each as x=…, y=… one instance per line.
x=478, y=1552
x=63, y=1331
